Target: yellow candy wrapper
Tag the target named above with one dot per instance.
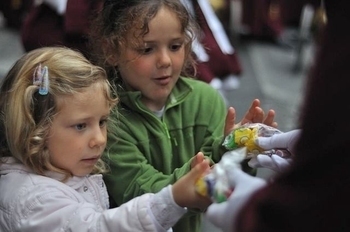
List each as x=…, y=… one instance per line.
x=215, y=184
x=245, y=136
x=241, y=145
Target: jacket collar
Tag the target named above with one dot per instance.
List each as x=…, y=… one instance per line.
x=179, y=93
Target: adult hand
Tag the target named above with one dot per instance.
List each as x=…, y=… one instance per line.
x=273, y=162
x=255, y=114
x=285, y=140
x=223, y=214
x=281, y=143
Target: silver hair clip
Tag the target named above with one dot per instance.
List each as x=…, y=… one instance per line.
x=41, y=79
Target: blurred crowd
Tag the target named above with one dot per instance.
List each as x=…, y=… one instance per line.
x=66, y=22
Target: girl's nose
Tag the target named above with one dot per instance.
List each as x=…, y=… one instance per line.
x=99, y=137
x=164, y=59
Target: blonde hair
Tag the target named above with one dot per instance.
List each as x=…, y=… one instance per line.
x=26, y=116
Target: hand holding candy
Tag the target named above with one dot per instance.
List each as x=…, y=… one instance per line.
x=285, y=140
x=273, y=162
x=281, y=143
x=215, y=184
x=184, y=191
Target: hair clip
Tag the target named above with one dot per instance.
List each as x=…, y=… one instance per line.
x=41, y=79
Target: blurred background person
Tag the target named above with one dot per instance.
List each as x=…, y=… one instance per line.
x=218, y=61
x=59, y=22
x=67, y=22
x=15, y=11
x=269, y=19
x=313, y=193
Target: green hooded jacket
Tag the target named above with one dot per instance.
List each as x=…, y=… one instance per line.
x=151, y=153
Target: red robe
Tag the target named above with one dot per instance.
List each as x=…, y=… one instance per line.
x=314, y=195
x=219, y=64
x=44, y=27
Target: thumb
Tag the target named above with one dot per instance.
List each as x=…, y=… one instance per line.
x=199, y=157
x=200, y=169
x=284, y=140
x=230, y=121
x=265, y=143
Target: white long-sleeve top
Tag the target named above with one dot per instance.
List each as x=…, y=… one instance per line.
x=31, y=202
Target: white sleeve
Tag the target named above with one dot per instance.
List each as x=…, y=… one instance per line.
x=148, y=212
x=63, y=211
x=164, y=209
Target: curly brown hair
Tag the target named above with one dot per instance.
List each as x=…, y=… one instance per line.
x=119, y=18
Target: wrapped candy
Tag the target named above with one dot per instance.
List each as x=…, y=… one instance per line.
x=215, y=184
x=241, y=145
x=245, y=136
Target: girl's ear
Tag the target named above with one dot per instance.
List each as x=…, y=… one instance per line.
x=112, y=57
x=112, y=60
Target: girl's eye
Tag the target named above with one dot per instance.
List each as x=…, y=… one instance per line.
x=103, y=123
x=175, y=47
x=80, y=127
x=145, y=50
x=148, y=50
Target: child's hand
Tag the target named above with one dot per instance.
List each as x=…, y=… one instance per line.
x=255, y=114
x=198, y=159
x=184, y=190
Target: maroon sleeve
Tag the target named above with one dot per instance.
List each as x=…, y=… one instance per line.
x=78, y=15
x=42, y=27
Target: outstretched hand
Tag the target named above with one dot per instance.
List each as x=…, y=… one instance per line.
x=255, y=114
x=184, y=190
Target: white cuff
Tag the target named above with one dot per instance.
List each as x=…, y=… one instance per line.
x=164, y=209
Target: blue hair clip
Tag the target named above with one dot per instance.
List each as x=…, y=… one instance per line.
x=41, y=79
